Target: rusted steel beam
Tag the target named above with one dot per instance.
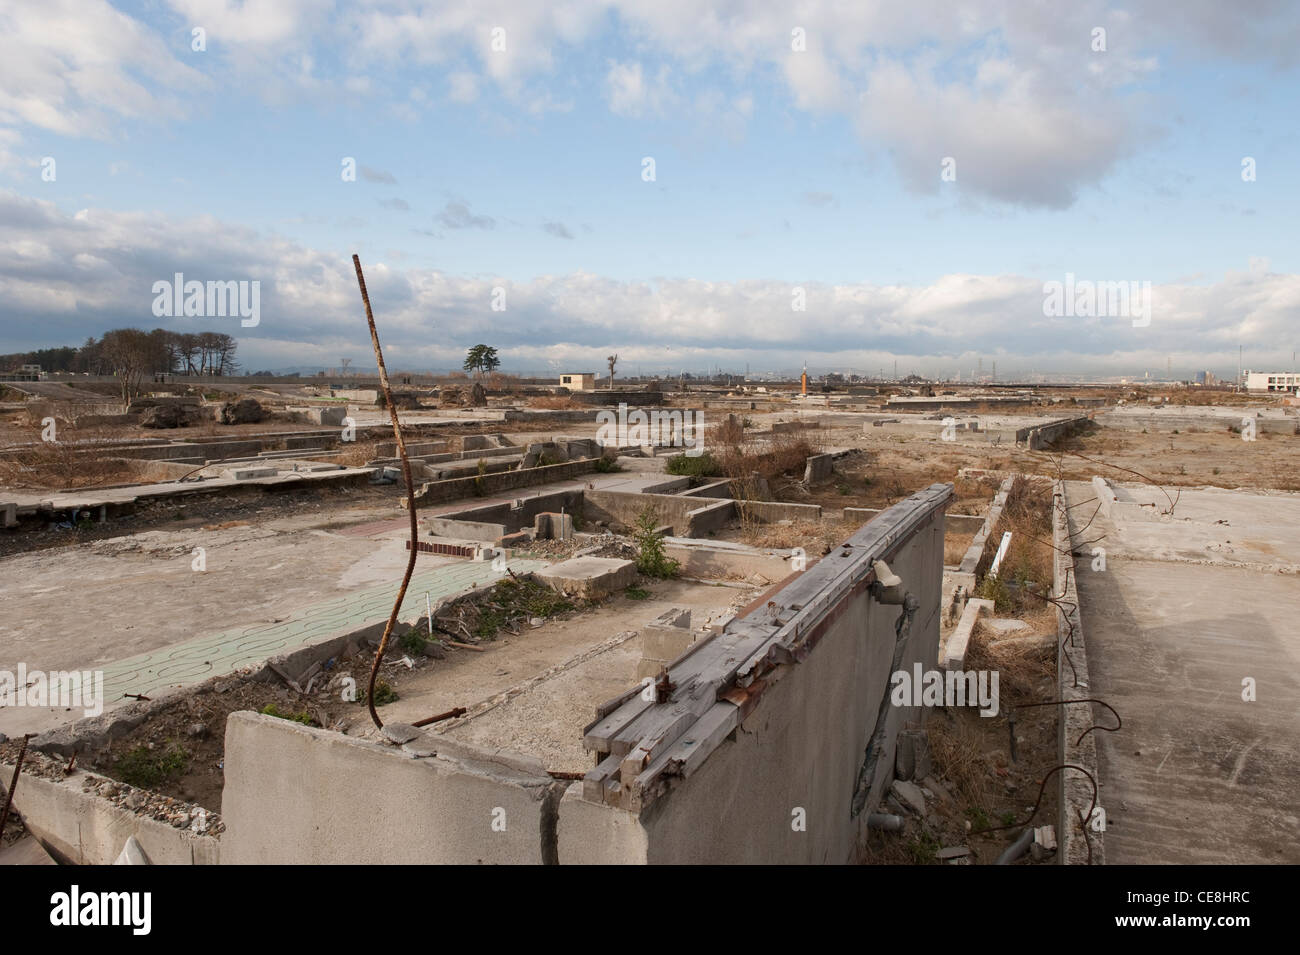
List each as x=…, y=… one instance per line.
x=410, y=494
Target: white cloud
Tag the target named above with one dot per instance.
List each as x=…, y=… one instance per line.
x=65, y=277
x=1012, y=91
x=75, y=66
x=631, y=93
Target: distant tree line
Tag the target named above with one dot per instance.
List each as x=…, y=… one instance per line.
x=133, y=355
x=158, y=352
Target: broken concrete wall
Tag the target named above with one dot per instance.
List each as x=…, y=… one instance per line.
x=453, y=489
x=299, y=795
x=491, y=521
x=726, y=559
x=788, y=770
x=623, y=507
x=78, y=826
x=819, y=468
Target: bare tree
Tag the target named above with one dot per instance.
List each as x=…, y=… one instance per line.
x=613, y=360
x=129, y=352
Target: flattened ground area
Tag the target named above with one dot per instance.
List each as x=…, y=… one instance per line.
x=1196, y=774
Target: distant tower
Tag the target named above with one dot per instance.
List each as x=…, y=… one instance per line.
x=803, y=379
x=995, y=371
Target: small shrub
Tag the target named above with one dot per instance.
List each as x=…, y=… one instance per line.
x=651, y=559
x=606, y=465
x=702, y=465
x=637, y=593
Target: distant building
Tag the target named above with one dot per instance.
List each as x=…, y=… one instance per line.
x=1265, y=382
x=579, y=381
x=1206, y=378
x=24, y=373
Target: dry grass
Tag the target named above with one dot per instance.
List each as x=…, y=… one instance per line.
x=958, y=752
x=955, y=547
x=815, y=537
x=775, y=458
x=553, y=402
x=353, y=454
x=80, y=458
x=1028, y=563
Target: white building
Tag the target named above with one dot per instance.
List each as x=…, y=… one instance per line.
x=1263, y=382
x=579, y=381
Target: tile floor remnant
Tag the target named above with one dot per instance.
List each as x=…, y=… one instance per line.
x=197, y=660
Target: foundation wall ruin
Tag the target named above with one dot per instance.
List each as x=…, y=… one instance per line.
x=789, y=743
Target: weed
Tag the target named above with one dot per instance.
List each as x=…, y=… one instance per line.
x=384, y=694
x=923, y=849
x=606, y=465
x=413, y=642
x=145, y=768
x=637, y=593
x=272, y=710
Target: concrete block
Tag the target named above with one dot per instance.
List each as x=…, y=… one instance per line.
x=8, y=515
x=328, y=416
x=954, y=651
x=589, y=577
x=248, y=474
x=818, y=469
x=912, y=757
x=909, y=795
x=677, y=617
x=550, y=525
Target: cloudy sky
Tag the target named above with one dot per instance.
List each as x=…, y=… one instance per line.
x=668, y=179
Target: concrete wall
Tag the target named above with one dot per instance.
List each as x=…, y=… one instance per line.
x=83, y=828
x=1074, y=792
x=820, y=468
x=452, y=489
x=299, y=795
x=726, y=559
x=624, y=507
x=491, y=521
x=769, y=512
x=799, y=750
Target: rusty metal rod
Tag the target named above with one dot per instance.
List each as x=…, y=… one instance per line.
x=410, y=494
x=13, y=784
x=450, y=714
